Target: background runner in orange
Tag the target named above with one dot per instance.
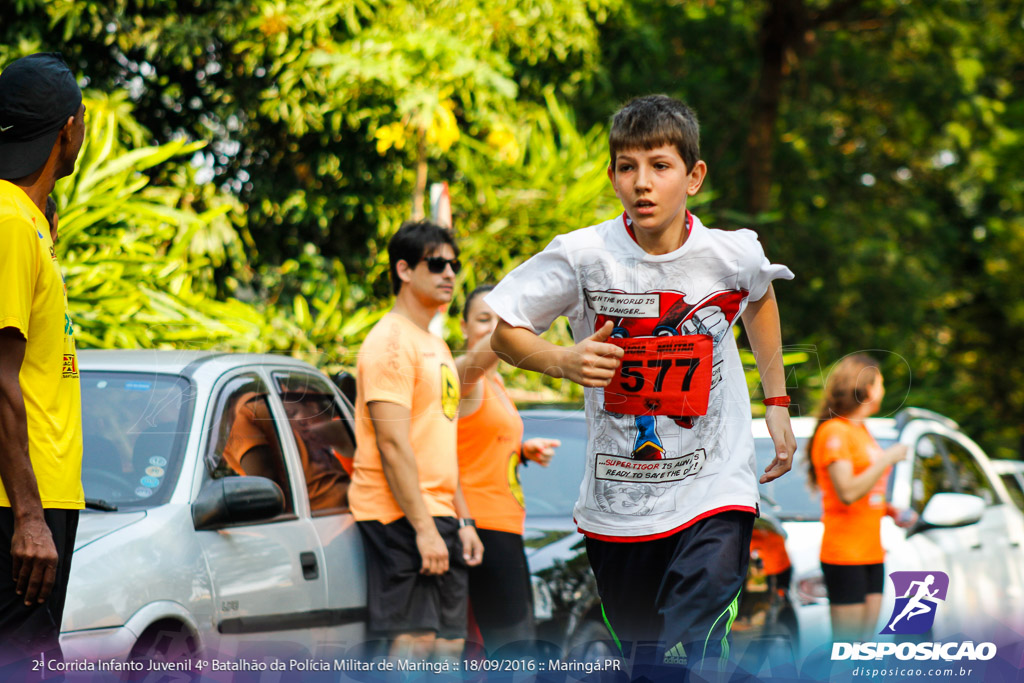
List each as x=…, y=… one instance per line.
x=491, y=448
x=851, y=470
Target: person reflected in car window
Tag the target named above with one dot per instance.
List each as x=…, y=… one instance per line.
x=325, y=447
x=252, y=448
x=491, y=449
x=851, y=470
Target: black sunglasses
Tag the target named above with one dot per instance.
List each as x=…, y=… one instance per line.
x=436, y=264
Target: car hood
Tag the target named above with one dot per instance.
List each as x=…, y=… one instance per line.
x=550, y=538
x=93, y=526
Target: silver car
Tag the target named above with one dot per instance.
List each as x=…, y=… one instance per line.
x=1012, y=474
x=968, y=527
x=179, y=553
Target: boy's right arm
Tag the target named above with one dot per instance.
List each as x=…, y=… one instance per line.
x=591, y=363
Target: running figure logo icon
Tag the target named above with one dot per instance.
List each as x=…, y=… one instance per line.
x=921, y=592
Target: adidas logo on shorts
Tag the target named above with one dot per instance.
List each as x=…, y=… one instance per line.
x=677, y=655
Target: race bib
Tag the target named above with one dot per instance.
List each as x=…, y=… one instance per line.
x=662, y=376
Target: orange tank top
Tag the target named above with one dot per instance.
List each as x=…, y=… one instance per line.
x=489, y=443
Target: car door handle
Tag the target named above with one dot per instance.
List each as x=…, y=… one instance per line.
x=310, y=571
x=976, y=546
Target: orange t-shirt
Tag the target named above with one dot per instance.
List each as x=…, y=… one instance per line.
x=401, y=363
x=326, y=478
x=852, y=532
x=771, y=547
x=489, y=443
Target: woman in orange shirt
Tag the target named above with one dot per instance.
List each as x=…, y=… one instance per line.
x=852, y=470
x=491, y=448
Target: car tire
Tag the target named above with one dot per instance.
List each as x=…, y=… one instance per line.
x=164, y=641
x=592, y=643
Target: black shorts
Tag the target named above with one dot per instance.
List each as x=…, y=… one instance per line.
x=500, y=593
x=27, y=631
x=401, y=600
x=848, y=584
x=681, y=591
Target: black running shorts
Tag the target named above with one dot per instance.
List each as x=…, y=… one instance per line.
x=401, y=600
x=848, y=584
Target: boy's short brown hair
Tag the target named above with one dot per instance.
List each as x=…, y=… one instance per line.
x=652, y=121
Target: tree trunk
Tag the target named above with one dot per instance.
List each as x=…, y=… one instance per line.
x=418, y=193
x=782, y=29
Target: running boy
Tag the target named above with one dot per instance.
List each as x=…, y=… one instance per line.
x=669, y=494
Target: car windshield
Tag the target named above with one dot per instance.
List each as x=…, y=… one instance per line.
x=552, y=490
x=134, y=428
x=789, y=497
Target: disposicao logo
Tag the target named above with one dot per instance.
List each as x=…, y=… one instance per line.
x=917, y=596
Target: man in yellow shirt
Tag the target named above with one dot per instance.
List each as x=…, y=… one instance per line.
x=42, y=127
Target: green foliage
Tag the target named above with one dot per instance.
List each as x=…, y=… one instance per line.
x=894, y=165
x=139, y=257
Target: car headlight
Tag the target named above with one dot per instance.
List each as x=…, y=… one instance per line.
x=542, y=602
x=810, y=589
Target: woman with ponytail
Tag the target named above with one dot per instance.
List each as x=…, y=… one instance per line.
x=491, y=449
x=851, y=470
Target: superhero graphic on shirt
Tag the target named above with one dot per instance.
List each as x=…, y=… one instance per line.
x=663, y=313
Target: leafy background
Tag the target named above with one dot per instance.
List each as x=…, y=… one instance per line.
x=246, y=163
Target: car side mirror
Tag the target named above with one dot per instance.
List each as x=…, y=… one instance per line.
x=234, y=500
x=952, y=510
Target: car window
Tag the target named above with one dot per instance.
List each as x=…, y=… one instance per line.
x=933, y=472
x=788, y=497
x=244, y=439
x=134, y=429
x=323, y=436
x=1014, y=487
x=553, y=490
x=969, y=476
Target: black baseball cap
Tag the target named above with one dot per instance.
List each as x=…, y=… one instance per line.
x=37, y=95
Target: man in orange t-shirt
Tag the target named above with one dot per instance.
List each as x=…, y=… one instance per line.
x=416, y=529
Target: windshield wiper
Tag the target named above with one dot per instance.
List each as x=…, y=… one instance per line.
x=97, y=504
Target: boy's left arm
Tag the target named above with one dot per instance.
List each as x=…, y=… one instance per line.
x=761, y=322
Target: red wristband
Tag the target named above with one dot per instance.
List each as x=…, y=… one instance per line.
x=782, y=401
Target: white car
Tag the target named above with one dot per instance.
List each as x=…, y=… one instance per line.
x=1012, y=474
x=177, y=554
x=968, y=527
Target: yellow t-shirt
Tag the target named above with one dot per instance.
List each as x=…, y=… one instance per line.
x=33, y=300
x=401, y=363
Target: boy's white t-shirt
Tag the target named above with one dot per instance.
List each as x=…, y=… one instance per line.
x=600, y=273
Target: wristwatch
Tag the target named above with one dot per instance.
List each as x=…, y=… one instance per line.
x=467, y=521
